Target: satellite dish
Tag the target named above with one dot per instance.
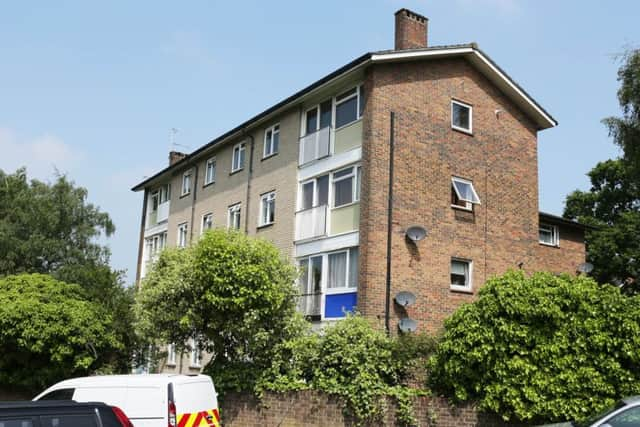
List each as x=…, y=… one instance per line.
x=415, y=233
x=405, y=299
x=585, y=267
x=407, y=325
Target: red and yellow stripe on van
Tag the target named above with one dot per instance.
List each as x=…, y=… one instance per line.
x=210, y=418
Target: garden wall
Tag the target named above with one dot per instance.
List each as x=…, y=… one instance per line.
x=309, y=408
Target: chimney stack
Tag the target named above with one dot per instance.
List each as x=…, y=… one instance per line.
x=411, y=30
x=175, y=157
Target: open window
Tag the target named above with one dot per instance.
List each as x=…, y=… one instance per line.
x=461, y=270
x=461, y=116
x=463, y=195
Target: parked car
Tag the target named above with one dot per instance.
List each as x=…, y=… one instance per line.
x=149, y=400
x=53, y=413
x=625, y=413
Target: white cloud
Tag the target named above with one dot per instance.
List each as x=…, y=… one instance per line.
x=41, y=155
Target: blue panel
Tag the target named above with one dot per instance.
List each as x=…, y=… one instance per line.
x=337, y=305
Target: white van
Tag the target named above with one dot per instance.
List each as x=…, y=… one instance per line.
x=149, y=400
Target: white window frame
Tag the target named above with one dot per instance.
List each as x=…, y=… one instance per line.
x=238, y=148
x=208, y=216
x=268, y=148
x=210, y=178
x=171, y=354
x=555, y=234
x=355, y=186
x=314, y=180
x=264, y=199
x=469, y=286
x=324, y=280
x=468, y=203
x=470, y=107
x=231, y=211
x=183, y=230
x=186, y=178
x=358, y=93
x=164, y=193
x=195, y=360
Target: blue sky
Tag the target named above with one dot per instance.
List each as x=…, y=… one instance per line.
x=93, y=88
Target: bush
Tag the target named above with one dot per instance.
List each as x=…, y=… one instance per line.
x=49, y=332
x=541, y=348
x=232, y=293
x=354, y=361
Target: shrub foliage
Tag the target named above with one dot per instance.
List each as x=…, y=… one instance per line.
x=49, y=332
x=541, y=348
x=354, y=361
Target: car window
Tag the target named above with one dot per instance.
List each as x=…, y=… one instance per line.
x=15, y=422
x=628, y=418
x=75, y=420
x=61, y=394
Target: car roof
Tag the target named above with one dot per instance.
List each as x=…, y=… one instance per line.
x=130, y=380
x=27, y=404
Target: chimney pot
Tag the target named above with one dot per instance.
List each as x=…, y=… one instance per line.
x=411, y=30
x=175, y=157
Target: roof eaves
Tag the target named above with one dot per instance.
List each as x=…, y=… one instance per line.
x=565, y=221
x=242, y=127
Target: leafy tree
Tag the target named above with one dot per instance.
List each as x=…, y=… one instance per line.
x=625, y=130
x=51, y=228
x=613, y=202
x=354, y=361
x=232, y=293
x=541, y=348
x=612, y=206
x=45, y=227
x=49, y=331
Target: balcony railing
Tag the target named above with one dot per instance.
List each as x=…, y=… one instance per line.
x=311, y=223
x=315, y=145
x=310, y=304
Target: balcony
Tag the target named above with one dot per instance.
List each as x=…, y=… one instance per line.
x=315, y=145
x=160, y=215
x=311, y=223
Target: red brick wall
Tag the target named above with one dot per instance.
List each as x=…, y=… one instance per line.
x=314, y=409
x=501, y=160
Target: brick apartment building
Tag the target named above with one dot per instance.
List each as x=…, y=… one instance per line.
x=312, y=174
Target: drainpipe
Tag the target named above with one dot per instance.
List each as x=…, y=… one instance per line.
x=249, y=176
x=143, y=222
x=193, y=202
x=387, y=302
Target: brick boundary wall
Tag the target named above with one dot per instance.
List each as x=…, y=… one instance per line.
x=310, y=408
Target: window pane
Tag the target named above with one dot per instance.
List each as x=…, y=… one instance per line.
x=362, y=99
x=276, y=142
x=62, y=394
x=459, y=273
x=241, y=163
x=343, y=172
x=346, y=94
x=347, y=112
x=68, y=421
x=460, y=116
x=343, y=192
x=337, y=270
x=307, y=195
x=358, y=182
x=353, y=267
x=323, y=190
x=303, y=281
x=272, y=210
x=312, y=121
x=15, y=422
x=465, y=191
x=325, y=114
x=316, y=274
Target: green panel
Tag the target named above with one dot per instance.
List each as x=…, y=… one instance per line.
x=346, y=218
x=348, y=137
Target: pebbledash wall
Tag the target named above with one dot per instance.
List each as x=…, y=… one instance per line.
x=499, y=157
x=311, y=409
